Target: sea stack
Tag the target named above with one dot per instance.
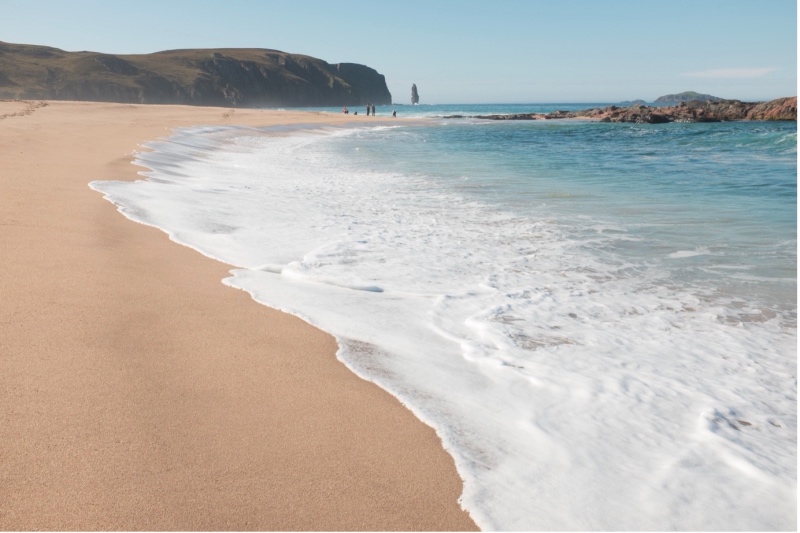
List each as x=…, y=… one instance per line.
x=414, y=94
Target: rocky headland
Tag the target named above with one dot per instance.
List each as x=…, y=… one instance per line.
x=692, y=111
x=211, y=77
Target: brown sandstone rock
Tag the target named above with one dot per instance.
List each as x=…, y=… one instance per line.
x=780, y=109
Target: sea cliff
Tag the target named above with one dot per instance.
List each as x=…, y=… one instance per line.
x=231, y=77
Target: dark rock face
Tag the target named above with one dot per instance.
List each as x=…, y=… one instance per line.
x=414, y=94
x=225, y=77
x=693, y=111
x=367, y=84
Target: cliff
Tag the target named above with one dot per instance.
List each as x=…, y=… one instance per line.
x=220, y=77
x=693, y=111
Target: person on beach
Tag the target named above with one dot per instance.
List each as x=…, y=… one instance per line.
x=394, y=114
x=345, y=110
x=373, y=110
x=367, y=109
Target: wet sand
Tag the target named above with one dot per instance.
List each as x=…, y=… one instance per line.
x=137, y=392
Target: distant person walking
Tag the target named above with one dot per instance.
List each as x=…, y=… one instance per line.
x=367, y=109
x=394, y=114
x=373, y=110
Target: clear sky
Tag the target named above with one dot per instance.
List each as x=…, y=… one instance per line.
x=465, y=51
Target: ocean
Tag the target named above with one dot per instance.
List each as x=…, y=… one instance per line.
x=599, y=320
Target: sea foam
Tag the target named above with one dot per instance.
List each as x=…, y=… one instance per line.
x=576, y=387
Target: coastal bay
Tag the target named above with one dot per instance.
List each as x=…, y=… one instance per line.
x=541, y=311
x=268, y=267
x=536, y=291
x=138, y=392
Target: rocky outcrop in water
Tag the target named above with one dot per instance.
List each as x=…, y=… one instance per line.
x=414, y=94
x=220, y=77
x=699, y=111
x=780, y=109
x=693, y=111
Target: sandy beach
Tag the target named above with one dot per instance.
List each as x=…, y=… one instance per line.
x=137, y=392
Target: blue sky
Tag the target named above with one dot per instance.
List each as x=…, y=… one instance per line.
x=462, y=51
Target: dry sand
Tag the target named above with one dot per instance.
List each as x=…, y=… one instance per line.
x=138, y=392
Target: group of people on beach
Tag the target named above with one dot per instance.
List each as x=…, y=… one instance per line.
x=370, y=107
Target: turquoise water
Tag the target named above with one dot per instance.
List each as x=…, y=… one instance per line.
x=713, y=204
x=444, y=110
x=599, y=320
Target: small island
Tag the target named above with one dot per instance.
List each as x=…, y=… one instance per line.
x=686, y=96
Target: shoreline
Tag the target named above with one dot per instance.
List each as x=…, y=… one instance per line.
x=139, y=392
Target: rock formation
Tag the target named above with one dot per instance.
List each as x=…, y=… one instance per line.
x=219, y=77
x=414, y=94
x=780, y=109
x=693, y=111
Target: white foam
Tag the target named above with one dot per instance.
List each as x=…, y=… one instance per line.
x=682, y=254
x=574, y=391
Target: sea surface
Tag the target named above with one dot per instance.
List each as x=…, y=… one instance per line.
x=599, y=320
